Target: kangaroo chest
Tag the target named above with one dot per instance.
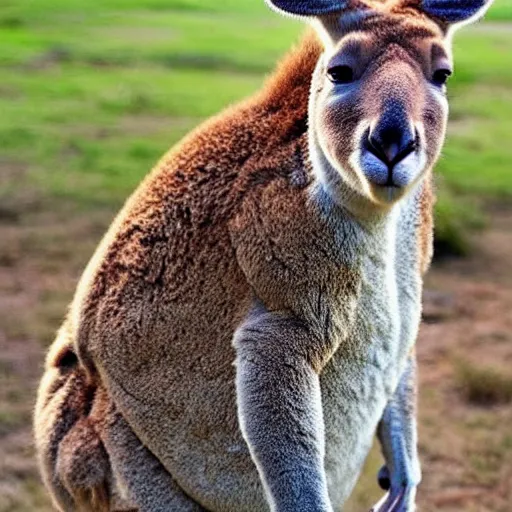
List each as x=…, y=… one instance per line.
x=364, y=372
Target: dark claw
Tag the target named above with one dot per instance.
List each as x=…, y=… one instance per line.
x=384, y=478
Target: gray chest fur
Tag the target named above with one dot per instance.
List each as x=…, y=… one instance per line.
x=364, y=372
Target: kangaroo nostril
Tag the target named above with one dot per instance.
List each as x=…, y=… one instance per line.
x=391, y=144
x=376, y=148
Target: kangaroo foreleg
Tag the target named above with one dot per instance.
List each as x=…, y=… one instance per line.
x=397, y=433
x=280, y=411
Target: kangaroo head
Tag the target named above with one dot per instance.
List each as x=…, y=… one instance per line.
x=378, y=107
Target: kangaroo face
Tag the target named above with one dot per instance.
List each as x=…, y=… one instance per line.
x=378, y=107
x=379, y=103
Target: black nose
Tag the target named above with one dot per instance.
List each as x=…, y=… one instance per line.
x=391, y=144
x=392, y=138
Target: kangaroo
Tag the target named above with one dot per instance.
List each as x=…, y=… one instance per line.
x=248, y=322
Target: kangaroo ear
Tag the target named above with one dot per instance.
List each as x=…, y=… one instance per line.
x=453, y=12
x=309, y=8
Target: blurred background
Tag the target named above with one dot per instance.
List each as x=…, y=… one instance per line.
x=93, y=92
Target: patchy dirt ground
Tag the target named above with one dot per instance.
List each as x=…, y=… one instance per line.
x=465, y=354
x=465, y=363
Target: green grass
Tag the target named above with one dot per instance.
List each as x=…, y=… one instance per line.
x=93, y=93
x=500, y=11
x=77, y=77
x=456, y=218
x=477, y=156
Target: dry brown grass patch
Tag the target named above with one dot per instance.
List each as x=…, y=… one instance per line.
x=482, y=385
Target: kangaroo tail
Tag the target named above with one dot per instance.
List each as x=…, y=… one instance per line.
x=73, y=461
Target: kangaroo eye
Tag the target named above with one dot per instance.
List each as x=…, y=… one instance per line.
x=341, y=74
x=441, y=76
